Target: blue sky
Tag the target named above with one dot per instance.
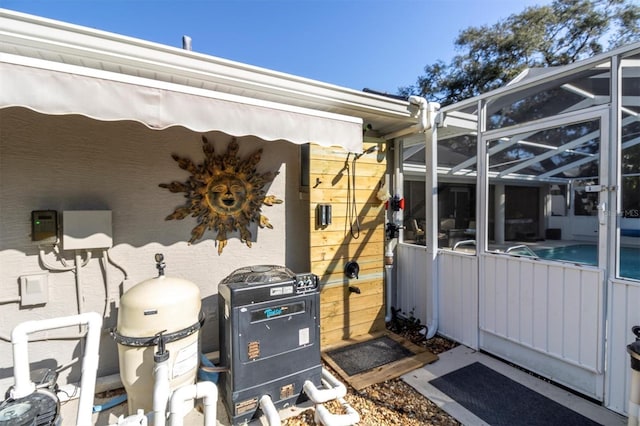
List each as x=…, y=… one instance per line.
x=377, y=44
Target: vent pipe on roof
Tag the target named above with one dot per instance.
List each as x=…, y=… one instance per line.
x=186, y=42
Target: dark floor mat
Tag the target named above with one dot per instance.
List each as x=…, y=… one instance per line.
x=368, y=355
x=375, y=358
x=498, y=400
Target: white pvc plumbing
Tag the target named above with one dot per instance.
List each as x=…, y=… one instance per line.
x=161, y=391
x=138, y=419
x=324, y=417
x=208, y=391
x=334, y=389
x=19, y=339
x=270, y=411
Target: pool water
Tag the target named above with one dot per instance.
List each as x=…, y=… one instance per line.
x=588, y=254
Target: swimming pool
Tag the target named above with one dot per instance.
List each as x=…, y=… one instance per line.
x=588, y=254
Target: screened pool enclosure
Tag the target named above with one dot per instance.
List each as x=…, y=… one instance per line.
x=526, y=203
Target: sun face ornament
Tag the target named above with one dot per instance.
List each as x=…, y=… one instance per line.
x=224, y=193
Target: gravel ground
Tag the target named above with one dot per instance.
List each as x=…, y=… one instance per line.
x=392, y=402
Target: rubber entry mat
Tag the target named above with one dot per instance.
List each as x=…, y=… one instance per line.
x=498, y=400
x=365, y=356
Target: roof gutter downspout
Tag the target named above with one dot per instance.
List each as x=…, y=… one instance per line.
x=427, y=113
x=423, y=112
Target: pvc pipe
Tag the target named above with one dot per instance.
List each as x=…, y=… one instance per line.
x=124, y=272
x=208, y=391
x=110, y=404
x=19, y=339
x=161, y=391
x=324, y=417
x=138, y=419
x=51, y=267
x=431, y=153
x=269, y=410
x=334, y=389
x=14, y=299
x=79, y=294
x=388, y=273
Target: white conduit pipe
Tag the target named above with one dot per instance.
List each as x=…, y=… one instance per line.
x=269, y=410
x=388, y=280
x=432, y=327
x=14, y=299
x=52, y=267
x=161, y=391
x=205, y=390
x=124, y=272
x=388, y=273
x=19, y=339
x=431, y=153
x=335, y=389
x=79, y=293
x=324, y=417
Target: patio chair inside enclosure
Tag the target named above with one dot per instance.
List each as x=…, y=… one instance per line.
x=417, y=231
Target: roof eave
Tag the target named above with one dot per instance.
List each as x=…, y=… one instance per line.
x=88, y=47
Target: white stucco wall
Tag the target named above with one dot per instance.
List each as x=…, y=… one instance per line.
x=75, y=163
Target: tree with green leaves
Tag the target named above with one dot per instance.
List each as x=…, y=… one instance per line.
x=542, y=36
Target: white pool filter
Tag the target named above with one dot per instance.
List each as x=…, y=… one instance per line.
x=160, y=312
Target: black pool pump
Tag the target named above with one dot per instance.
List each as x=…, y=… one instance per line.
x=40, y=408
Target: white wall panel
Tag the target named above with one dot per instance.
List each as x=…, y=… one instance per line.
x=555, y=316
x=549, y=308
x=540, y=298
x=413, y=288
x=458, y=278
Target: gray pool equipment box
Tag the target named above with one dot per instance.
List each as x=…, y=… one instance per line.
x=269, y=337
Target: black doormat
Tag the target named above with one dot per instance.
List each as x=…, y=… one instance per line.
x=365, y=356
x=498, y=400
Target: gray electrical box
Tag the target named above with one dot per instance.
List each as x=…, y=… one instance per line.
x=86, y=229
x=44, y=226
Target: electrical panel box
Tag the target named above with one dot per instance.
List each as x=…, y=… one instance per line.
x=44, y=226
x=86, y=229
x=34, y=289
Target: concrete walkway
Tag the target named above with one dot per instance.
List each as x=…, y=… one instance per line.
x=462, y=356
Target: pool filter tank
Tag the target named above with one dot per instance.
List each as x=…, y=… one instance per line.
x=162, y=308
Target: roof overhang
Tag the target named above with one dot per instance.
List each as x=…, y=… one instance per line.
x=58, y=68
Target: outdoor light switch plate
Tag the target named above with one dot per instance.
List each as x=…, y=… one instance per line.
x=34, y=289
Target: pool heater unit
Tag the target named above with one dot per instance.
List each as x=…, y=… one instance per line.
x=269, y=338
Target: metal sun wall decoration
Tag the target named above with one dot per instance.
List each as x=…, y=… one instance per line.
x=224, y=193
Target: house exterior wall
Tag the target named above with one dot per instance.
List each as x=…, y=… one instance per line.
x=346, y=314
x=76, y=163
